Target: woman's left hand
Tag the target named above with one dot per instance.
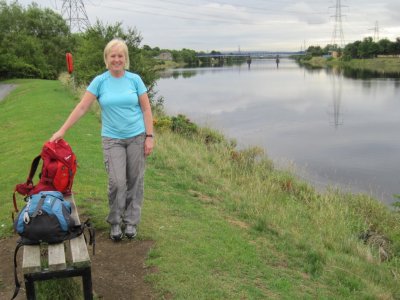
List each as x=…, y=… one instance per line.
x=148, y=146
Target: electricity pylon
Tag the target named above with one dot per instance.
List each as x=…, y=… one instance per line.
x=337, y=35
x=74, y=12
x=376, y=32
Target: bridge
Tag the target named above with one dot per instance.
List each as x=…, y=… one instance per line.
x=251, y=54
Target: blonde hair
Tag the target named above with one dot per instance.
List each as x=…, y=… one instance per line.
x=117, y=42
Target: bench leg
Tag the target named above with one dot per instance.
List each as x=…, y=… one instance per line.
x=30, y=288
x=85, y=273
x=87, y=284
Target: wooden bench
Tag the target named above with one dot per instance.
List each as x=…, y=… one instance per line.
x=68, y=259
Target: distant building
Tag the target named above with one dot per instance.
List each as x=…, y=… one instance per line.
x=164, y=56
x=335, y=54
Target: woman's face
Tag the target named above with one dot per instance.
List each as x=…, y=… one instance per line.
x=116, y=60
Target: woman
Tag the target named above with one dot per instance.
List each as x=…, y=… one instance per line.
x=127, y=135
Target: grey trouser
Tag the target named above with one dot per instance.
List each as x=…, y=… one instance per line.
x=125, y=163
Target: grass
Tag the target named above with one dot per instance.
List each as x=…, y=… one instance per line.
x=380, y=65
x=227, y=225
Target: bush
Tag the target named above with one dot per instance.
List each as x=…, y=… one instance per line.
x=163, y=123
x=20, y=70
x=210, y=136
x=181, y=124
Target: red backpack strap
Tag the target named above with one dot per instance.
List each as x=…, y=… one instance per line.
x=25, y=188
x=34, y=166
x=15, y=206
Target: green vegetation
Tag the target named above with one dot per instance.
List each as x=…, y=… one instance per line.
x=89, y=60
x=382, y=66
x=226, y=223
x=33, y=42
x=370, y=49
x=382, y=57
x=366, y=48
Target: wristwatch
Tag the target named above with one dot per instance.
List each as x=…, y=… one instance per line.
x=149, y=135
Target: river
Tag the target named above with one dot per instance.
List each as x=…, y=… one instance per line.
x=328, y=128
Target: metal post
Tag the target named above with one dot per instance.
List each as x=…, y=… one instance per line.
x=87, y=284
x=30, y=287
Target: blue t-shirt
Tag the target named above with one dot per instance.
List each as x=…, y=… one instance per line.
x=121, y=114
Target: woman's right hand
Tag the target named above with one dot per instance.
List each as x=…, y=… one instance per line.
x=57, y=136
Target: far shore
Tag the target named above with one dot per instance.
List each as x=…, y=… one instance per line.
x=379, y=64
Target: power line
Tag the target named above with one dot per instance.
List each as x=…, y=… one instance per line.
x=256, y=9
x=209, y=14
x=208, y=17
x=207, y=11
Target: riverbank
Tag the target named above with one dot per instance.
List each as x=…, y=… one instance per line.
x=225, y=223
x=167, y=64
x=379, y=65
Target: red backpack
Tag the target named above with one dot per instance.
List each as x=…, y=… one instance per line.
x=58, y=171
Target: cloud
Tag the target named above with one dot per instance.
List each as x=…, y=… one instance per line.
x=308, y=14
x=257, y=25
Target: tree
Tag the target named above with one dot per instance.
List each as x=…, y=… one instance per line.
x=188, y=56
x=397, y=46
x=315, y=51
x=385, y=47
x=368, y=48
x=89, y=58
x=33, y=41
x=351, y=50
x=51, y=30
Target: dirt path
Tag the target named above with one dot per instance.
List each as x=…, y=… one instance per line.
x=5, y=89
x=118, y=269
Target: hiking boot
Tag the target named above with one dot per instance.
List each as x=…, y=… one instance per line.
x=130, y=231
x=116, y=233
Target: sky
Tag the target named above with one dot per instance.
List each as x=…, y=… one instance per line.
x=245, y=25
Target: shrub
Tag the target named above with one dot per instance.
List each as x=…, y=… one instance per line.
x=162, y=123
x=210, y=136
x=20, y=70
x=181, y=124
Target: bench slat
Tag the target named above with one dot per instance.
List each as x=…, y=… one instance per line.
x=79, y=252
x=31, y=261
x=56, y=257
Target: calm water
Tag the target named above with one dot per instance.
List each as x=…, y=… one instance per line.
x=330, y=129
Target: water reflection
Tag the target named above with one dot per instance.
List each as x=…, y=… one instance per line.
x=353, y=73
x=336, y=130
x=336, y=99
x=252, y=64
x=177, y=73
x=366, y=74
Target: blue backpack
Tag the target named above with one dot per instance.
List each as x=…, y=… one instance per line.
x=46, y=218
